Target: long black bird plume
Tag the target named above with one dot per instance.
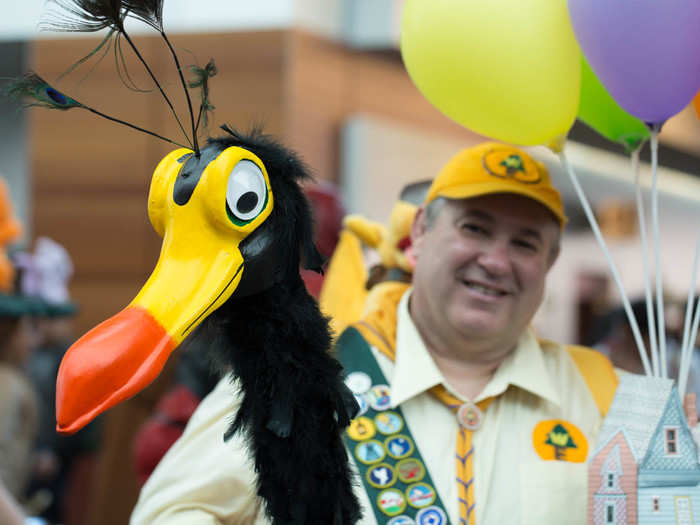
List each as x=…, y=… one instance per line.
x=88, y=16
x=41, y=94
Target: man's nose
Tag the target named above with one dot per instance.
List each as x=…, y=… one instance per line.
x=495, y=258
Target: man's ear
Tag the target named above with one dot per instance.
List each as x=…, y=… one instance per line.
x=418, y=229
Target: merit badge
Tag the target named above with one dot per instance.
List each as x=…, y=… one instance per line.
x=361, y=428
x=381, y=476
x=469, y=416
x=431, y=516
x=369, y=452
x=358, y=382
x=388, y=422
x=379, y=397
x=420, y=495
x=401, y=520
x=399, y=446
x=391, y=502
x=362, y=403
x=410, y=470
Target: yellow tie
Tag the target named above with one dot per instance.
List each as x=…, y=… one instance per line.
x=469, y=417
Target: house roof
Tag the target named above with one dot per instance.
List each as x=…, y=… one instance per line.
x=636, y=409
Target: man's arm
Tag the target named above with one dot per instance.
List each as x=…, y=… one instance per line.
x=203, y=480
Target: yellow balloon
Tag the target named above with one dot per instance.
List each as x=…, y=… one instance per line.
x=507, y=69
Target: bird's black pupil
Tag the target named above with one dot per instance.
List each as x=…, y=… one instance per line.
x=56, y=96
x=247, y=202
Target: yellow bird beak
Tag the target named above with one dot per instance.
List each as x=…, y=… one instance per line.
x=199, y=268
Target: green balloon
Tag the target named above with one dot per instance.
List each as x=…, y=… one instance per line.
x=600, y=111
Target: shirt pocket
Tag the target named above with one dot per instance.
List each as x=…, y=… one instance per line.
x=553, y=492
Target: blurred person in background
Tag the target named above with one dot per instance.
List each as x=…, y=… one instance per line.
x=618, y=343
x=19, y=406
x=45, y=277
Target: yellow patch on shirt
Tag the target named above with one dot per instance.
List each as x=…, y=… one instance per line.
x=560, y=441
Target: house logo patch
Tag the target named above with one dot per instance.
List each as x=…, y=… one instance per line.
x=556, y=440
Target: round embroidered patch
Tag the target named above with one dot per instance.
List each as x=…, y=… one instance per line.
x=369, y=452
x=361, y=428
x=420, y=495
x=431, y=516
x=379, y=397
x=410, y=470
x=401, y=520
x=381, y=476
x=391, y=502
x=358, y=382
x=504, y=162
x=469, y=416
x=399, y=446
x=362, y=403
x=388, y=422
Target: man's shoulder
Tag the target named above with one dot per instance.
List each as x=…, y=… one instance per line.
x=595, y=368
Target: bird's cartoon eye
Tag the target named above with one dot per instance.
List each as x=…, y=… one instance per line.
x=246, y=192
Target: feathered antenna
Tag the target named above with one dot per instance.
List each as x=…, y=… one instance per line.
x=201, y=80
x=40, y=93
x=87, y=16
x=151, y=13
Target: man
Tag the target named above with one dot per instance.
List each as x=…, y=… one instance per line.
x=467, y=415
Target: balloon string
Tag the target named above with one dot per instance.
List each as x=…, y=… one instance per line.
x=653, y=349
x=688, y=344
x=657, y=248
x=691, y=341
x=613, y=268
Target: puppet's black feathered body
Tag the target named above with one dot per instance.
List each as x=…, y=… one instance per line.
x=272, y=337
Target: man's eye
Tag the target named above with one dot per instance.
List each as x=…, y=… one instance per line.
x=526, y=245
x=470, y=227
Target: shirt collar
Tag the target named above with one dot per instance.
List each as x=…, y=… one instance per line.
x=415, y=371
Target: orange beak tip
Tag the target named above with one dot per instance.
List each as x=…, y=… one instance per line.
x=111, y=363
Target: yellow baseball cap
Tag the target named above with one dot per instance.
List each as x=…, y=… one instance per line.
x=496, y=168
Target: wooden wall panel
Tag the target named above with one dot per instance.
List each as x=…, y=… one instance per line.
x=327, y=82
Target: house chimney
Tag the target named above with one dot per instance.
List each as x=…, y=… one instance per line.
x=690, y=407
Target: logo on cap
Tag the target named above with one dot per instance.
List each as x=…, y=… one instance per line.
x=506, y=163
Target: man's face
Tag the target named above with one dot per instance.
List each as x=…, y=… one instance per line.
x=481, y=267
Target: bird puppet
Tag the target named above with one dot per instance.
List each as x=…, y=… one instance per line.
x=235, y=227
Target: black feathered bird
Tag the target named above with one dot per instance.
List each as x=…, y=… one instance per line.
x=236, y=227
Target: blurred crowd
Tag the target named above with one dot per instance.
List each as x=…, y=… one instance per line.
x=36, y=313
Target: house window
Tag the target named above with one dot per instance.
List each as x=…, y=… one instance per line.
x=655, y=504
x=611, y=480
x=610, y=513
x=671, y=441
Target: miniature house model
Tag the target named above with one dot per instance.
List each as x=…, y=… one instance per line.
x=645, y=467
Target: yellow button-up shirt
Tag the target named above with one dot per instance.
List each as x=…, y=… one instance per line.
x=203, y=481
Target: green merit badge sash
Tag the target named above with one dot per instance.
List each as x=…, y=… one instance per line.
x=392, y=470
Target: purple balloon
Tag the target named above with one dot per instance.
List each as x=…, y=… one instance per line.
x=645, y=52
